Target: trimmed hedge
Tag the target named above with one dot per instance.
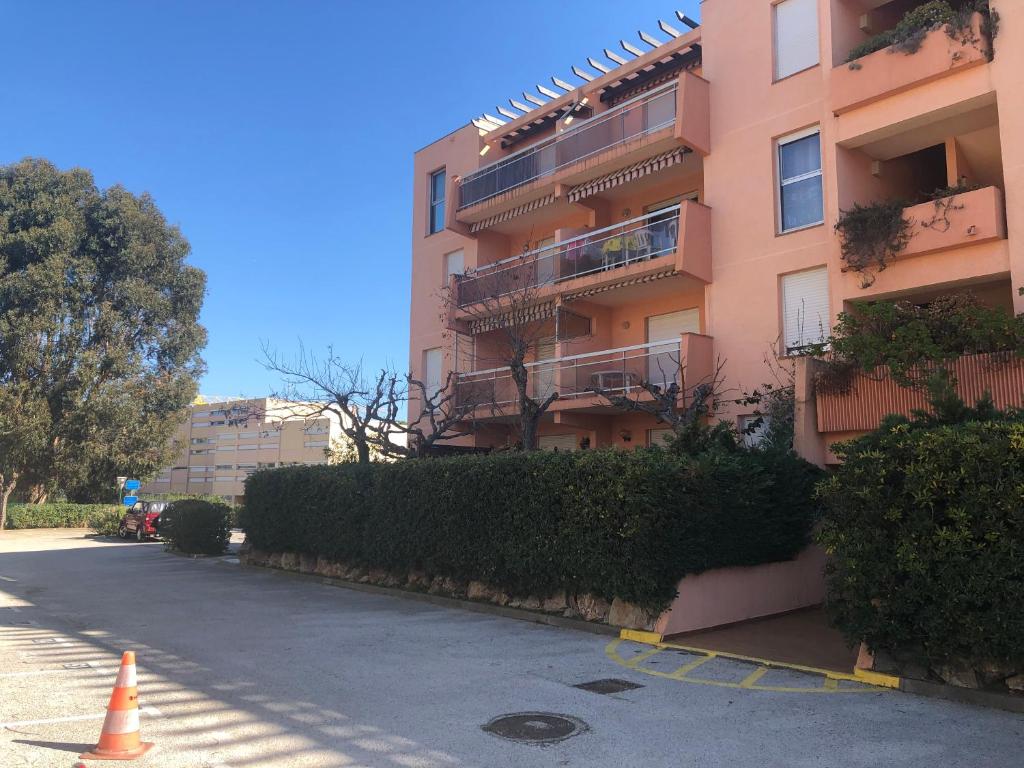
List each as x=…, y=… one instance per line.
x=925, y=525
x=196, y=527
x=611, y=523
x=60, y=515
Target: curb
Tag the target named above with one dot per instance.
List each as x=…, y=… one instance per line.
x=490, y=609
x=879, y=679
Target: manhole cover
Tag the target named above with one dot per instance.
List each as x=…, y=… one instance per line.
x=535, y=727
x=608, y=685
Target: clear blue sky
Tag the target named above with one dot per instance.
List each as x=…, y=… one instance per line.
x=279, y=136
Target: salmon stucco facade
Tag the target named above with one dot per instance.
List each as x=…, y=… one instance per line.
x=676, y=203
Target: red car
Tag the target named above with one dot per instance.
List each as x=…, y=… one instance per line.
x=142, y=520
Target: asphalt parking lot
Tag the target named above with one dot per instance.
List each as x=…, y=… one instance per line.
x=242, y=667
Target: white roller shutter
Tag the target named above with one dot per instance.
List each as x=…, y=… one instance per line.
x=558, y=442
x=663, y=359
x=432, y=370
x=796, y=36
x=545, y=376
x=805, y=314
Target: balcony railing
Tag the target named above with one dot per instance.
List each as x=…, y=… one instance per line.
x=638, y=117
x=611, y=370
x=645, y=237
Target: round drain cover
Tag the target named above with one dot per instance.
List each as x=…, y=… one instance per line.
x=535, y=727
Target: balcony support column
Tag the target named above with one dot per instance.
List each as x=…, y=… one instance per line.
x=693, y=251
x=808, y=442
x=693, y=113
x=598, y=211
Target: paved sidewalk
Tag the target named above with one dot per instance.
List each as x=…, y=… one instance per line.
x=241, y=667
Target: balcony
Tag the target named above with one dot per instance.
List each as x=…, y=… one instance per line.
x=963, y=236
x=631, y=120
x=680, y=235
x=577, y=378
x=958, y=221
x=885, y=73
x=874, y=396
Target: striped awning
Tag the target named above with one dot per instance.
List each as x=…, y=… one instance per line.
x=629, y=173
x=519, y=210
x=638, y=280
x=519, y=315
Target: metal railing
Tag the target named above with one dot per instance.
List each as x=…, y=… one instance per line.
x=645, y=237
x=618, y=371
x=645, y=114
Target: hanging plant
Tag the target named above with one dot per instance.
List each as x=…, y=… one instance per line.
x=871, y=236
x=909, y=33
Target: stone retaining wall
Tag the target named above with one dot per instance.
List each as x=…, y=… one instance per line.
x=587, y=607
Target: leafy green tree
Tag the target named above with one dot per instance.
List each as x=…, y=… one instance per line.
x=23, y=432
x=99, y=331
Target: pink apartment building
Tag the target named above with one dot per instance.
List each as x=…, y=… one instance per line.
x=676, y=200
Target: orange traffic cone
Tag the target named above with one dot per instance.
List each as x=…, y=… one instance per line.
x=119, y=739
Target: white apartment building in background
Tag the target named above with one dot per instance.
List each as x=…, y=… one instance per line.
x=222, y=443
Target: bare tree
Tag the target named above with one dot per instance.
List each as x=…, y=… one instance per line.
x=331, y=386
x=671, y=403
x=442, y=414
x=508, y=301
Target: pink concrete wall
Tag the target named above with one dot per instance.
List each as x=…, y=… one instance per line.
x=729, y=595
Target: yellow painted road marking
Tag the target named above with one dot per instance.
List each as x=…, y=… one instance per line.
x=753, y=677
x=642, y=657
x=829, y=679
x=680, y=673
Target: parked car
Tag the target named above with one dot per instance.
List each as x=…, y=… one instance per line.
x=142, y=520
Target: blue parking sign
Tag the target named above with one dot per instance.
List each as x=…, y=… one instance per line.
x=130, y=500
x=132, y=485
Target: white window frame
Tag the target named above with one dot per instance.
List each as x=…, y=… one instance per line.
x=778, y=76
x=432, y=203
x=447, y=268
x=433, y=387
x=779, y=143
x=797, y=350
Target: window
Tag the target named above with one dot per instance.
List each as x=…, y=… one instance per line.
x=796, y=36
x=437, y=182
x=315, y=444
x=798, y=165
x=659, y=437
x=432, y=370
x=558, y=443
x=664, y=334
x=805, y=315
x=454, y=264
x=754, y=429
x=225, y=466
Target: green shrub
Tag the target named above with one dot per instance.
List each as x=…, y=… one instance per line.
x=59, y=515
x=612, y=523
x=909, y=32
x=914, y=340
x=196, y=527
x=106, y=523
x=925, y=525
